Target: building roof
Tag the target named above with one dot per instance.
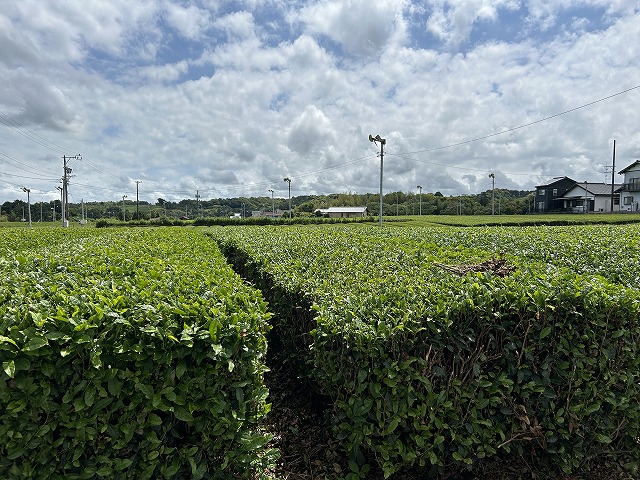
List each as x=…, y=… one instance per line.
x=629, y=167
x=343, y=210
x=555, y=180
x=592, y=188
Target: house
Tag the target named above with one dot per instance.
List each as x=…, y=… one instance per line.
x=549, y=195
x=629, y=191
x=343, y=212
x=590, y=197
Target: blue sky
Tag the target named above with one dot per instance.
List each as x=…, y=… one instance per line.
x=229, y=97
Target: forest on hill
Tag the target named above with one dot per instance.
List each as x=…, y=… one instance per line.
x=500, y=201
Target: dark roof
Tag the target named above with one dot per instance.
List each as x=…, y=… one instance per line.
x=595, y=189
x=555, y=180
x=600, y=188
x=629, y=167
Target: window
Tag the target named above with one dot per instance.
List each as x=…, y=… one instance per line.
x=541, y=192
x=541, y=206
x=628, y=200
x=555, y=192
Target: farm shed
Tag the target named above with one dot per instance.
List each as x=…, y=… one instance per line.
x=344, y=212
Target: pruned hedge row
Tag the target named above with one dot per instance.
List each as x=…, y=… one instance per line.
x=429, y=368
x=130, y=354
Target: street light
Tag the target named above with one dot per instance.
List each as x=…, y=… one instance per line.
x=420, y=188
x=273, y=205
x=124, y=215
x=493, y=187
x=382, y=141
x=25, y=189
x=288, y=180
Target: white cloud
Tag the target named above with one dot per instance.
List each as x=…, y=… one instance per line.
x=191, y=21
x=361, y=27
x=237, y=26
x=451, y=21
x=233, y=112
x=310, y=130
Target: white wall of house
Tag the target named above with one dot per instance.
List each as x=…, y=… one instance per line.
x=597, y=203
x=630, y=191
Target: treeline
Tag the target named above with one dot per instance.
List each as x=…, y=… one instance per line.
x=504, y=202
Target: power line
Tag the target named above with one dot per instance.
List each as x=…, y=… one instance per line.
x=30, y=134
x=18, y=164
x=484, y=137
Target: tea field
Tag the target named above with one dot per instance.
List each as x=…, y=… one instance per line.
x=141, y=353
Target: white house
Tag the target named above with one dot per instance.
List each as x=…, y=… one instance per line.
x=344, y=212
x=630, y=189
x=595, y=196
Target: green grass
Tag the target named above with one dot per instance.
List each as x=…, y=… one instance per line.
x=516, y=220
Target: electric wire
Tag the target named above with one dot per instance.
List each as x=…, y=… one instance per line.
x=484, y=137
x=9, y=160
x=30, y=134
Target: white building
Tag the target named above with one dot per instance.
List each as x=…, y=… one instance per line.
x=595, y=196
x=344, y=212
x=630, y=189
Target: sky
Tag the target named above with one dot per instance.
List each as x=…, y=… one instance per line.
x=225, y=98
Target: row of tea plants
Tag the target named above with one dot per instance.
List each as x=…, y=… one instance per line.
x=128, y=354
x=433, y=361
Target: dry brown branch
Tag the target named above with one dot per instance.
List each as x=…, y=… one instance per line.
x=497, y=266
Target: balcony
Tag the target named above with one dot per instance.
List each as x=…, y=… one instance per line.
x=630, y=187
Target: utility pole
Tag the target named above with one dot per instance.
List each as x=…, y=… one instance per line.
x=197, y=202
x=288, y=180
x=124, y=215
x=54, y=203
x=382, y=141
x=613, y=173
x=25, y=189
x=138, y=182
x=419, y=187
x=65, y=186
x=493, y=189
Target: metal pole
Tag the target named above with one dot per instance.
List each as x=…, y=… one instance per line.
x=65, y=181
x=64, y=192
x=54, y=203
x=381, y=170
x=613, y=172
x=420, y=188
x=138, y=182
x=586, y=199
x=25, y=189
x=288, y=180
x=382, y=141
x=493, y=189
